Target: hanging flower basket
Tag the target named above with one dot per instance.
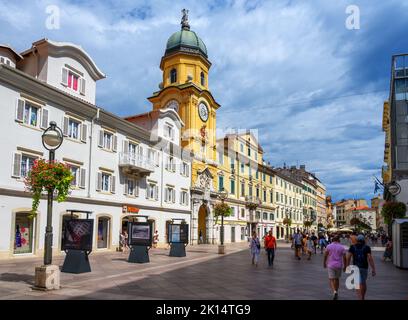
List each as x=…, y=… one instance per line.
x=47, y=176
x=393, y=210
x=307, y=223
x=287, y=221
x=252, y=206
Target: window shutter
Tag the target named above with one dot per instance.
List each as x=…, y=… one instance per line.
x=147, y=190
x=187, y=200
x=99, y=182
x=84, y=132
x=82, y=87
x=16, y=165
x=64, y=79
x=136, y=188
x=156, y=192
x=83, y=178
x=65, y=126
x=125, y=146
x=44, y=118
x=181, y=197
x=126, y=189
x=188, y=170
x=115, y=143
x=20, y=110
x=113, y=184
x=173, y=196
x=100, y=141
x=166, y=194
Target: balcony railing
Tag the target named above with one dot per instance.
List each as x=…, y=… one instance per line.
x=252, y=199
x=135, y=164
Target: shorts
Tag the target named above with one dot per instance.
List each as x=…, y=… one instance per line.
x=334, y=273
x=363, y=275
x=298, y=246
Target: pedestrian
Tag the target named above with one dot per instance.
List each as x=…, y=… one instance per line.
x=362, y=258
x=155, y=239
x=322, y=242
x=270, y=246
x=353, y=238
x=314, y=239
x=334, y=260
x=388, y=251
x=309, y=246
x=124, y=241
x=255, y=248
x=200, y=237
x=297, y=243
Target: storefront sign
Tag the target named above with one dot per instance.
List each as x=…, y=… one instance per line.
x=130, y=209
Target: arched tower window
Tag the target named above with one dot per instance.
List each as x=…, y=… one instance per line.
x=202, y=79
x=173, y=76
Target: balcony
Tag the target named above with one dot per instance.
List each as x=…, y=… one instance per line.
x=253, y=217
x=135, y=164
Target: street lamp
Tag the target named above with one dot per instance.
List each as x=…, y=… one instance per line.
x=222, y=195
x=51, y=139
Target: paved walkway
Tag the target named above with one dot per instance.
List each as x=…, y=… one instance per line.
x=203, y=274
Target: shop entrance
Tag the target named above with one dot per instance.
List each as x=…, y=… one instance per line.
x=24, y=233
x=202, y=224
x=103, y=232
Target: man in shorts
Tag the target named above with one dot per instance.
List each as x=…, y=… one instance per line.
x=334, y=261
x=362, y=257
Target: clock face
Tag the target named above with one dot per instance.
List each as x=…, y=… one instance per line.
x=173, y=104
x=203, y=111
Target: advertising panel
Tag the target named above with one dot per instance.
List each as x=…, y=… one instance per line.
x=140, y=233
x=78, y=234
x=178, y=233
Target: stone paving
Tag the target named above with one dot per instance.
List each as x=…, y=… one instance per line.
x=203, y=274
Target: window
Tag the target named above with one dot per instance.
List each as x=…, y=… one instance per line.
x=250, y=190
x=257, y=193
x=242, y=213
x=286, y=199
x=220, y=183
x=232, y=161
x=271, y=217
x=169, y=195
x=242, y=148
x=184, y=169
x=257, y=174
x=264, y=195
x=242, y=168
x=107, y=140
x=73, y=81
x=249, y=151
x=256, y=155
x=132, y=187
x=133, y=149
x=73, y=129
x=173, y=76
x=270, y=179
x=24, y=233
x=271, y=196
x=31, y=114
x=75, y=173
x=277, y=180
x=232, y=211
x=265, y=216
x=202, y=76
x=152, y=191
x=264, y=177
x=242, y=189
x=281, y=197
x=249, y=171
x=232, y=187
x=106, y=182
x=170, y=165
x=184, y=198
x=277, y=196
x=27, y=163
x=169, y=131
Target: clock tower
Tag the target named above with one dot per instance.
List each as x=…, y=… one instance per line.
x=185, y=88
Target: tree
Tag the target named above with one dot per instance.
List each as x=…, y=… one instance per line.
x=221, y=209
x=393, y=210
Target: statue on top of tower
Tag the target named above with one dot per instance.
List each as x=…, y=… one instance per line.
x=184, y=20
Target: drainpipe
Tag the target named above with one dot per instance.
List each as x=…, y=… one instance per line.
x=90, y=151
x=34, y=51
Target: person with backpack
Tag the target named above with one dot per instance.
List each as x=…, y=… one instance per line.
x=255, y=248
x=270, y=246
x=362, y=258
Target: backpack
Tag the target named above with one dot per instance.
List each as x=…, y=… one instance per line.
x=359, y=257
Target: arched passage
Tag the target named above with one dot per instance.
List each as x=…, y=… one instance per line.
x=202, y=224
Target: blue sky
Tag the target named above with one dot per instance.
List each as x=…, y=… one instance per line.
x=291, y=69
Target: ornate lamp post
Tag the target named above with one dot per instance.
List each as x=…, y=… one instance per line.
x=222, y=196
x=51, y=139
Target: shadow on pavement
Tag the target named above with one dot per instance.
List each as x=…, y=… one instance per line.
x=17, y=277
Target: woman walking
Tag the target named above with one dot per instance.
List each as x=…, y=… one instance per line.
x=255, y=247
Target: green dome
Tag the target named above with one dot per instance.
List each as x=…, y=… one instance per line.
x=185, y=39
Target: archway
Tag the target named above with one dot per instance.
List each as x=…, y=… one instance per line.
x=202, y=224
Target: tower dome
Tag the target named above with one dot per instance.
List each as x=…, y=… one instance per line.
x=185, y=39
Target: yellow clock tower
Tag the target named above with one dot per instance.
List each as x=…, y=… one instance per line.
x=185, y=88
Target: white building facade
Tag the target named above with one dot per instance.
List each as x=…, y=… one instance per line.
x=121, y=170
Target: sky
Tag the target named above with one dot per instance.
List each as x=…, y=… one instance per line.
x=306, y=75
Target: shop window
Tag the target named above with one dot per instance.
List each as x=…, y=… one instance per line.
x=24, y=233
x=103, y=232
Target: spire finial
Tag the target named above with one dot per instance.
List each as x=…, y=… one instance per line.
x=184, y=20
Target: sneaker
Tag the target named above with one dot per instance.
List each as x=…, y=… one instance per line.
x=335, y=296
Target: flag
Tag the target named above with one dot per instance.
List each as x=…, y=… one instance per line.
x=376, y=187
